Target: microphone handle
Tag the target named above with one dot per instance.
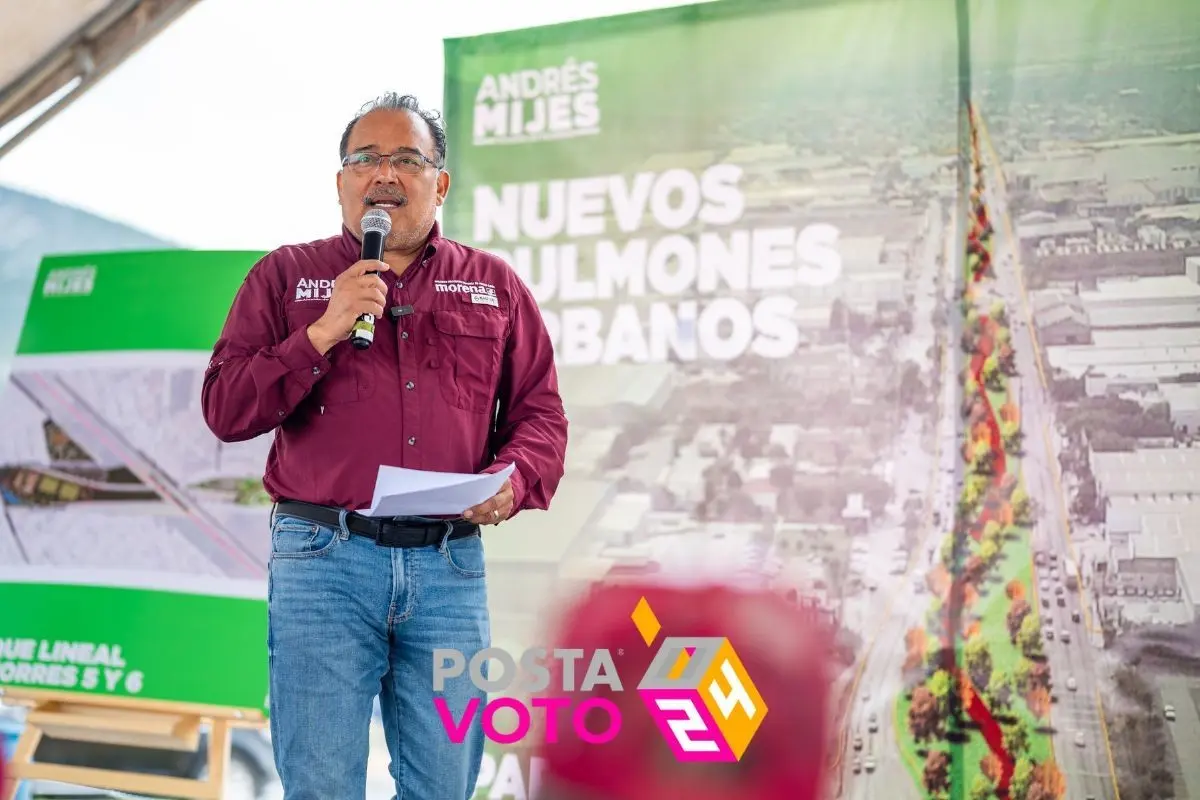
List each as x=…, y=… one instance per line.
x=363, y=332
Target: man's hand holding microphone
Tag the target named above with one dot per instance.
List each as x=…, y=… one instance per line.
x=359, y=294
x=357, y=291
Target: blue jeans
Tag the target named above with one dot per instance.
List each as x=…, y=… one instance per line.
x=349, y=620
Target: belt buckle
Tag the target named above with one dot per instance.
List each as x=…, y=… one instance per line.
x=392, y=534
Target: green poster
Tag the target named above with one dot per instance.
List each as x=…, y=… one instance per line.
x=134, y=545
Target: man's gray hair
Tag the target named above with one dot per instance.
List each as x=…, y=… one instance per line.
x=401, y=102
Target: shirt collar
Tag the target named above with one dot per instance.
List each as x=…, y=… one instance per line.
x=351, y=246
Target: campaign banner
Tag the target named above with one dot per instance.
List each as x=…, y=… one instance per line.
x=752, y=227
x=133, y=543
x=741, y=222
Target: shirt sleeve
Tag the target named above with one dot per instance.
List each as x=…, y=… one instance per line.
x=532, y=426
x=259, y=372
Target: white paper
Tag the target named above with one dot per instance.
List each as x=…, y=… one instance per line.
x=417, y=493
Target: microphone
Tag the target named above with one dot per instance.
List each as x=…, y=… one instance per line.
x=376, y=225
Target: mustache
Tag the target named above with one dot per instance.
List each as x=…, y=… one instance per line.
x=386, y=195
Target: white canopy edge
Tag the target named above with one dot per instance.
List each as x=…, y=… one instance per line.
x=52, y=51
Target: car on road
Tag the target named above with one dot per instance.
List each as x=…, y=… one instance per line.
x=1075, y=615
x=1079, y=742
x=1071, y=684
x=1062, y=601
x=873, y=723
x=858, y=743
x=1049, y=634
x=869, y=764
x=1065, y=636
x=1169, y=713
x=857, y=766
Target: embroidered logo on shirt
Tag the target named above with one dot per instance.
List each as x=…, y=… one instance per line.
x=314, y=289
x=476, y=290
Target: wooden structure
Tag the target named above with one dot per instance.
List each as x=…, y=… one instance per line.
x=122, y=721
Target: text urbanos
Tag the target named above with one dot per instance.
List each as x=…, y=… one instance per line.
x=86, y=666
x=701, y=289
x=532, y=105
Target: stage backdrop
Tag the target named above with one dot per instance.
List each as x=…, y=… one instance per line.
x=739, y=221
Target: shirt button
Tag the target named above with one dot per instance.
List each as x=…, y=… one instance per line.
x=412, y=440
x=280, y=413
x=316, y=370
x=404, y=334
x=399, y=284
x=410, y=385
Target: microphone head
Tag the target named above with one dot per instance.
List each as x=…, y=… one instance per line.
x=376, y=220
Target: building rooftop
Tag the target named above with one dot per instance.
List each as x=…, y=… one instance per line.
x=1145, y=373
x=1169, y=288
x=1125, y=513
x=1167, y=536
x=1080, y=358
x=1058, y=168
x=1056, y=314
x=1147, y=316
x=1153, y=337
x=1182, y=397
x=1048, y=230
x=1189, y=570
x=1125, y=504
x=1164, y=472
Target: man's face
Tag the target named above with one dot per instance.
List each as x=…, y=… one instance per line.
x=411, y=199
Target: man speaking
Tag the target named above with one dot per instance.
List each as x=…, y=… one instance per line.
x=457, y=376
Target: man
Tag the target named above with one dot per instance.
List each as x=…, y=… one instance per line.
x=460, y=378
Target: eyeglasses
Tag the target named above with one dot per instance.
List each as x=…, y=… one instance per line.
x=409, y=162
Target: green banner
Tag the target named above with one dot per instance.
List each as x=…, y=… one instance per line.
x=111, y=302
x=135, y=543
x=130, y=643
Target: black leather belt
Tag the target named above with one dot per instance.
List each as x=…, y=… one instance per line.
x=384, y=532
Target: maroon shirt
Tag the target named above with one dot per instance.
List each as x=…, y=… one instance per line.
x=422, y=396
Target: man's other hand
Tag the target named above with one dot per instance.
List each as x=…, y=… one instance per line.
x=492, y=511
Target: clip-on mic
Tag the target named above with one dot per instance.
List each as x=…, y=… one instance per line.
x=396, y=312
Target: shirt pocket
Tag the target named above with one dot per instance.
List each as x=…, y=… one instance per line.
x=343, y=383
x=474, y=343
